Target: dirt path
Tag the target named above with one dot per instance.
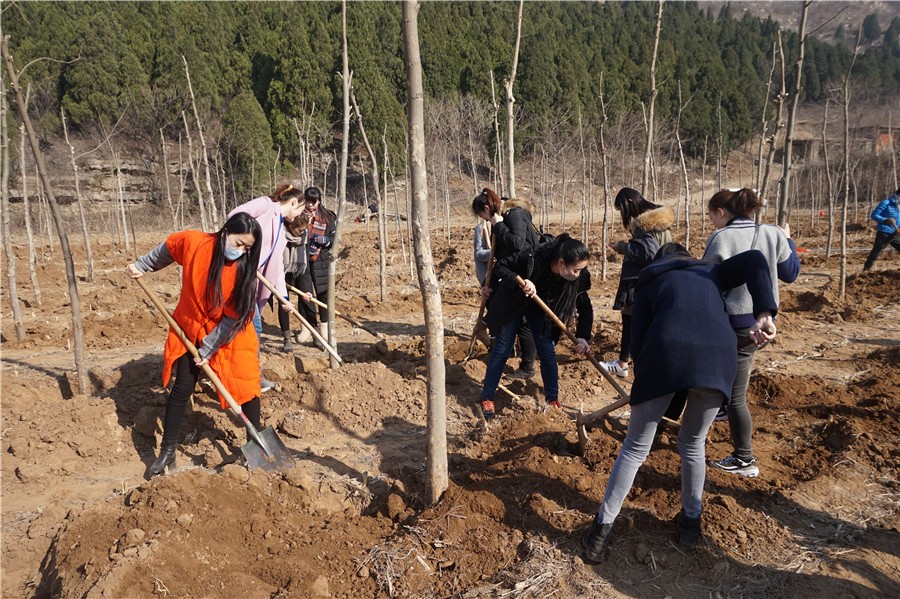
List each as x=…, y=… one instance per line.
x=80, y=520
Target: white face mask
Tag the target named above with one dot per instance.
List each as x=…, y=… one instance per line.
x=233, y=254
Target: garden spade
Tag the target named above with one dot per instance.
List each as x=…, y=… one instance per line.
x=267, y=450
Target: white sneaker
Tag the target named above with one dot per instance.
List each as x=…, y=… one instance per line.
x=613, y=367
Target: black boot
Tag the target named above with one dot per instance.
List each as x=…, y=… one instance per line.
x=596, y=541
x=166, y=458
x=688, y=530
x=288, y=345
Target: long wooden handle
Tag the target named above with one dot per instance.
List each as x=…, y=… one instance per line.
x=352, y=321
x=303, y=321
x=574, y=339
x=216, y=381
x=311, y=298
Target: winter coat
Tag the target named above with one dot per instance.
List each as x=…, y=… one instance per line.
x=680, y=334
x=236, y=362
x=889, y=208
x=649, y=232
x=324, y=225
x=507, y=300
x=515, y=232
x=271, y=252
x=742, y=234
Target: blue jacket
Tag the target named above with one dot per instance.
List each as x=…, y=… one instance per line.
x=680, y=334
x=889, y=208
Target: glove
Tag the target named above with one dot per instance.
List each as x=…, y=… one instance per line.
x=322, y=240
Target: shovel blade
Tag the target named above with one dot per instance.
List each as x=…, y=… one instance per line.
x=280, y=458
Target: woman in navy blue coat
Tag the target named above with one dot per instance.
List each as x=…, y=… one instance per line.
x=681, y=342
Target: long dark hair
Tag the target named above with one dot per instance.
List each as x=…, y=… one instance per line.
x=631, y=204
x=243, y=297
x=571, y=251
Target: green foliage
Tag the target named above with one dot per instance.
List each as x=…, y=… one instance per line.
x=246, y=139
x=115, y=58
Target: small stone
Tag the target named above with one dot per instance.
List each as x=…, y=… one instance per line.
x=134, y=537
x=363, y=572
x=171, y=506
x=320, y=587
x=237, y=473
x=130, y=552
x=742, y=535
x=447, y=564
x=185, y=520
x=583, y=484
x=395, y=506
x=642, y=553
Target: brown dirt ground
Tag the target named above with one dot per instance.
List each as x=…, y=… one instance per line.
x=349, y=519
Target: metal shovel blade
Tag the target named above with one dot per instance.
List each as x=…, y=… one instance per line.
x=280, y=458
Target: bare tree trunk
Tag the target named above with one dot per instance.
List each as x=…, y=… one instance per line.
x=830, y=179
x=204, y=222
x=763, y=129
x=499, y=150
x=893, y=152
x=165, y=165
x=684, y=171
x=74, y=301
x=382, y=262
x=9, y=253
x=584, y=211
x=214, y=214
x=719, y=142
x=382, y=224
x=842, y=286
x=653, y=92
x=400, y=236
x=84, y=227
x=346, y=80
x=29, y=233
x=182, y=181
x=783, y=206
x=436, y=456
x=606, y=191
x=779, y=124
x=510, y=107
x=120, y=194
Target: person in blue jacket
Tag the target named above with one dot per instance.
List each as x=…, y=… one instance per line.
x=681, y=341
x=886, y=214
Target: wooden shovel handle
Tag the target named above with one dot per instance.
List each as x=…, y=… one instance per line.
x=574, y=339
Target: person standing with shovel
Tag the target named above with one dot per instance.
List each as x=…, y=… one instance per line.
x=557, y=273
x=215, y=311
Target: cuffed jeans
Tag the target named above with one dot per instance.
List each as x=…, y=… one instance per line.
x=502, y=346
x=699, y=412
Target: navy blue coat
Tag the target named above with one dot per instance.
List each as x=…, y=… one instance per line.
x=681, y=337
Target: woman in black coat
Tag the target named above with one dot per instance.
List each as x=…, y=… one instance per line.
x=320, y=234
x=512, y=231
x=682, y=342
x=557, y=273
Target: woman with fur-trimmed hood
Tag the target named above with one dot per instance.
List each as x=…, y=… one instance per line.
x=649, y=226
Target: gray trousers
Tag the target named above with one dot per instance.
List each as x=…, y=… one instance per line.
x=739, y=420
x=699, y=412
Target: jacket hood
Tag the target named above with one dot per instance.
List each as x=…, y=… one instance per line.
x=524, y=205
x=655, y=221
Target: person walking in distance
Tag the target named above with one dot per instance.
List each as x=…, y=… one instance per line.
x=885, y=215
x=732, y=212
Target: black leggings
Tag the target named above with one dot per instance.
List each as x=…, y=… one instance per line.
x=625, y=352
x=186, y=375
x=284, y=318
x=308, y=283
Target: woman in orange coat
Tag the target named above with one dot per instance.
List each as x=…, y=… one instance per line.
x=215, y=310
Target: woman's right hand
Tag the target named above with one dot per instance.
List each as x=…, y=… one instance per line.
x=497, y=218
x=485, y=292
x=764, y=329
x=132, y=271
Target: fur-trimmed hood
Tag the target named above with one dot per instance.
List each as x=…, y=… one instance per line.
x=654, y=221
x=523, y=204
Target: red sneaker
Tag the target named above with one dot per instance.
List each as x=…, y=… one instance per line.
x=487, y=408
x=554, y=404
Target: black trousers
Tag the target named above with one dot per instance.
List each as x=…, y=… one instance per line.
x=318, y=286
x=881, y=241
x=186, y=375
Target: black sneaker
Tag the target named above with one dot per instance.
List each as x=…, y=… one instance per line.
x=521, y=373
x=596, y=541
x=688, y=530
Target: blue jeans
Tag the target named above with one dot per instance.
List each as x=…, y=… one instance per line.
x=502, y=347
x=699, y=412
x=257, y=324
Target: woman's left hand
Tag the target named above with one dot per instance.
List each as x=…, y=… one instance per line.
x=201, y=362
x=581, y=346
x=529, y=288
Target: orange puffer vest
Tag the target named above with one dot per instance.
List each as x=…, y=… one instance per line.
x=236, y=363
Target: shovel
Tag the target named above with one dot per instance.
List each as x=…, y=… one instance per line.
x=303, y=321
x=583, y=419
x=269, y=452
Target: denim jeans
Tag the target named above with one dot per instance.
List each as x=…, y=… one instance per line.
x=739, y=420
x=502, y=347
x=699, y=412
x=257, y=325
